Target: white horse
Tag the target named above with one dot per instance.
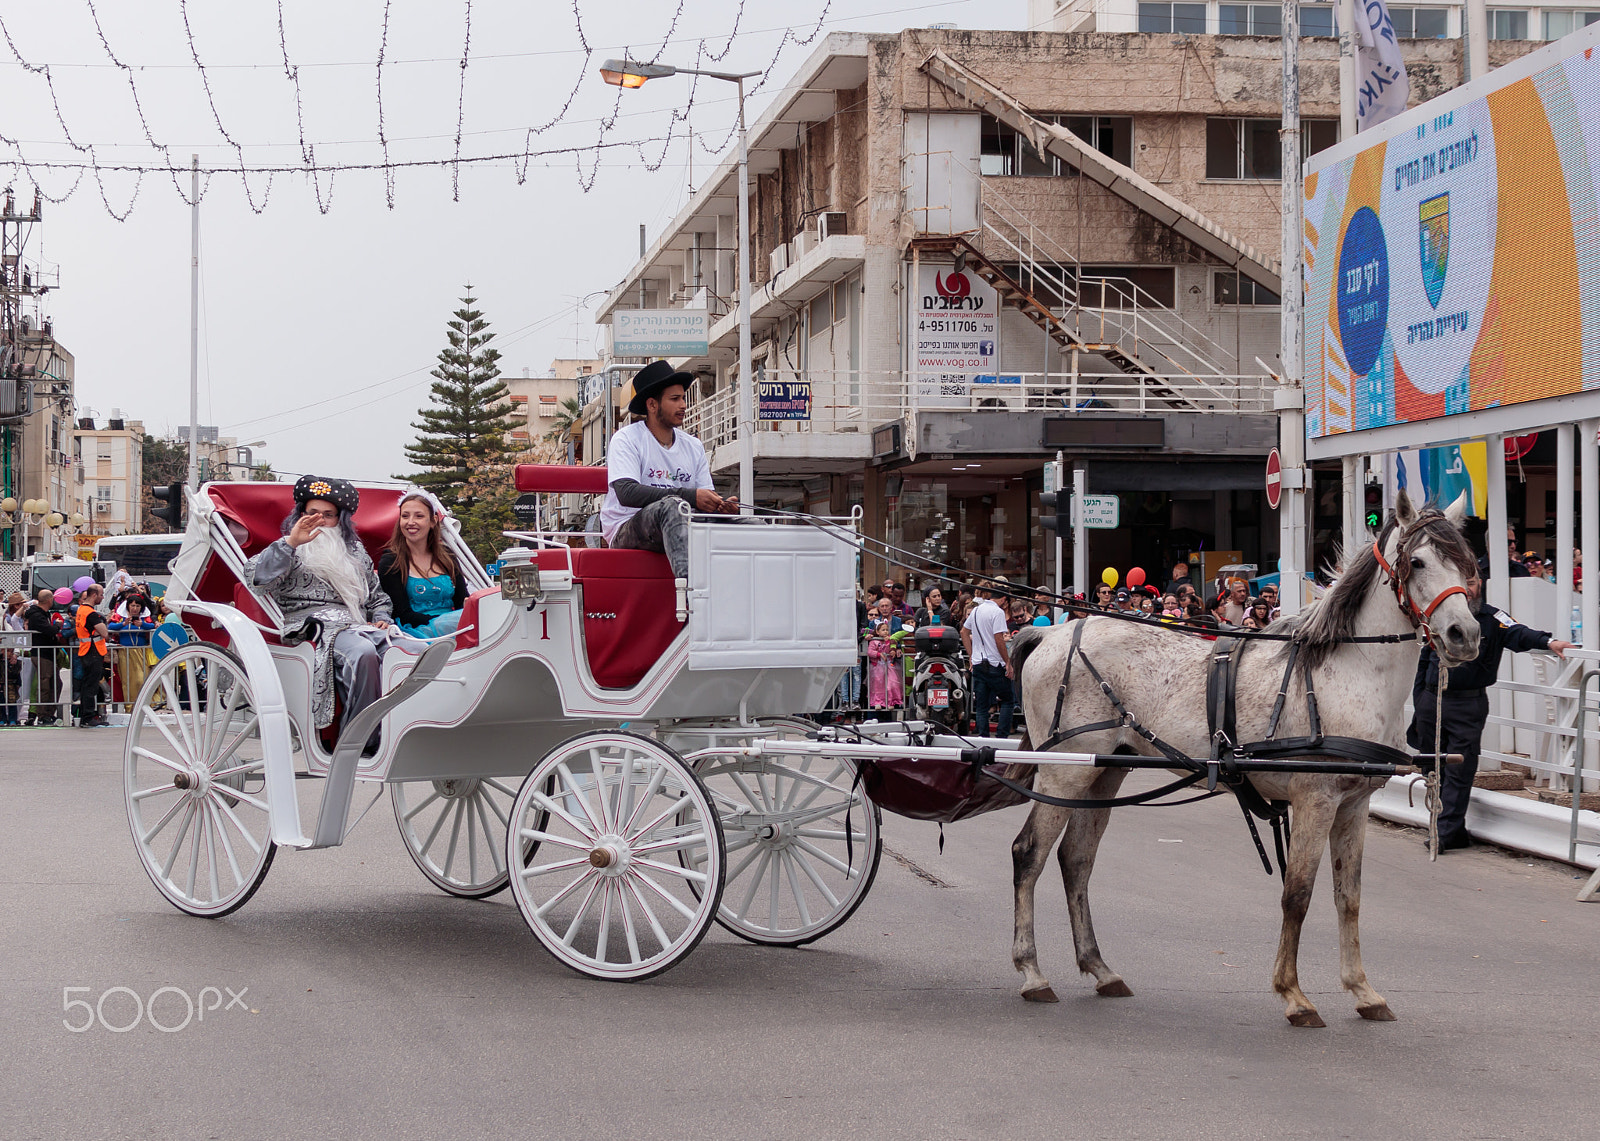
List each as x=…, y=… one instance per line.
x=1160, y=678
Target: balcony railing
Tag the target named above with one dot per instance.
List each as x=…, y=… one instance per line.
x=856, y=401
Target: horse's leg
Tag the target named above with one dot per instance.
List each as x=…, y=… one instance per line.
x=1313, y=818
x=1076, y=856
x=1345, y=843
x=1028, y=853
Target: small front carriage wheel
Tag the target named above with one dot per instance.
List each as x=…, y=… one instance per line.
x=194, y=774
x=604, y=890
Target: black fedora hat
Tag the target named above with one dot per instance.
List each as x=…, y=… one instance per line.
x=651, y=379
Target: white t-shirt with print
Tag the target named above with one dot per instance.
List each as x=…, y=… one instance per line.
x=985, y=622
x=637, y=455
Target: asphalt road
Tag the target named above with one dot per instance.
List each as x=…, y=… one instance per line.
x=373, y=1006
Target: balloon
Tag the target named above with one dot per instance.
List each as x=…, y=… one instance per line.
x=1109, y=576
x=81, y=584
x=63, y=595
x=1136, y=577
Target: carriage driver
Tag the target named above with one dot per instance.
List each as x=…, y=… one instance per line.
x=651, y=464
x=320, y=571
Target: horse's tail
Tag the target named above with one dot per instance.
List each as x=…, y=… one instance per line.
x=1023, y=643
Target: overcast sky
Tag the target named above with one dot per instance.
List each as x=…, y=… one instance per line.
x=318, y=329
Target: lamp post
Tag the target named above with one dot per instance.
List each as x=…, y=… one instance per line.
x=631, y=73
x=29, y=511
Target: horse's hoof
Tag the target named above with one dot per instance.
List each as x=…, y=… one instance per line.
x=1307, y=1018
x=1376, y=1013
x=1043, y=994
x=1116, y=988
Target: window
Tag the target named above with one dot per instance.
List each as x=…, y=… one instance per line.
x=1420, y=23
x=1117, y=286
x=1558, y=24
x=1228, y=288
x=548, y=406
x=103, y=492
x=1508, y=24
x=1249, y=19
x=1249, y=148
x=1187, y=18
x=1316, y=20
x=1005, y=152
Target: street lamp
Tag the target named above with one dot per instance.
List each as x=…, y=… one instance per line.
x=631, y=73
x=30, y=512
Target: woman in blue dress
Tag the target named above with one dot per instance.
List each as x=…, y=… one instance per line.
x=418, y=573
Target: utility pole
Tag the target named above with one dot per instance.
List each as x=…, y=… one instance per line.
x=1289, y=399
x=194, y=323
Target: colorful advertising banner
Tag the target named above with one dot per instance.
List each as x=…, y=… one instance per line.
x=1455, y=265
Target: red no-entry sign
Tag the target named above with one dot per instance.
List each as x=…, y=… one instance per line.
x=1274, y=478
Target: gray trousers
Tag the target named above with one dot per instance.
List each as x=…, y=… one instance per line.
x=357, y=656
x=660, y=527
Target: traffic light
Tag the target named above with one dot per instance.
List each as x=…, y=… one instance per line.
x=1374, y=507
x=169, y=505
x=1055, y=512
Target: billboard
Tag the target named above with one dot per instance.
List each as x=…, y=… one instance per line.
x=659, y=332
x=955, y=323
x=1453, y=263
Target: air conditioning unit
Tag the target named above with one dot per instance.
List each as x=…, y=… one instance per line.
x=832, y=222
x=779, y=260
x=804, y=242
x=102, y=506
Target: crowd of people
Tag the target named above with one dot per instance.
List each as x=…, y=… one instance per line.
x=880, y=684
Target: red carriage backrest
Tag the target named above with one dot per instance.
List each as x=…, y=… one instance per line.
x=574, y=479
x=262, y=507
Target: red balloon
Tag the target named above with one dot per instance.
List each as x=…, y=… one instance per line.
x=1136, y=576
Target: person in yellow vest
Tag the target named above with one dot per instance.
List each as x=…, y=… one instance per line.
x=90, y=627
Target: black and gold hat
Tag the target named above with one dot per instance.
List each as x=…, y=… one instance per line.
x=341, y=493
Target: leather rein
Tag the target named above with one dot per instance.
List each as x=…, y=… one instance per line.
x=1400, y=578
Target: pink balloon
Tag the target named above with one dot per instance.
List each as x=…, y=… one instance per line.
x=63, y=595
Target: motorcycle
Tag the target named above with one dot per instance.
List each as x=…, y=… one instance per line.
x=938, y=687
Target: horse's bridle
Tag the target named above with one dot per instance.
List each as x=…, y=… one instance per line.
x=1417, y=616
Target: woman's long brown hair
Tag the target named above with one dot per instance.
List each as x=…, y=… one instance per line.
x=436, y=548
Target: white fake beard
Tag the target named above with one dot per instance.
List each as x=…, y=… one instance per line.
x=329, y=559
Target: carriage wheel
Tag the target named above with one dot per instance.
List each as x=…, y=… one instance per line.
x=194, y=775
x=455, y=831
x=603, y=890
x=794, y=871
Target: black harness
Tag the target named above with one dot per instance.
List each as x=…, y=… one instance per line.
x=1227, y=768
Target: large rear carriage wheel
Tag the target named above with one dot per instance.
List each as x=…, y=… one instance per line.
x=455, y=831
x=619, y=859
x=194, y=777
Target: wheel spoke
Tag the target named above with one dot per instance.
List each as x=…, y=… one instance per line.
x=583, y=910
x=649, y=914
x=588, y=874
x=194, y=850
x=675, y=807
x=252, y=767
x=744, y=863
x=177, y=709
x=603, y=940
x=487, y=833
x=628, y=929
x=671, y=870
x=794, y=889
x=498, y=786
x=433, y=834
x=455, y=835
x=574, y=790
x=826, y=834
x=555, y=809
x=177, y=844
x=827, y=859
x=177, y=746
x=677, y=904
x=211, y=853
x=239, y=824
x=548, y=838
x=145, y=793
x=811, y=874
x=494, y=806
x=545, y=869
x=772, y=894
x=155, y=829
x=755, y=882
x=239, y=738
x=427, y=800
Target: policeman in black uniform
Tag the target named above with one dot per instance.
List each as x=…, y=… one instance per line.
x=1466, y=707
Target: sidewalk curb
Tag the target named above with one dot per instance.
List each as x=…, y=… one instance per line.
x=1500, y=818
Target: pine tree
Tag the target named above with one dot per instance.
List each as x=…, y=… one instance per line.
x=467, y=422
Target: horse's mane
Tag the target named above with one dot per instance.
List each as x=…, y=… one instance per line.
x=1330, y=621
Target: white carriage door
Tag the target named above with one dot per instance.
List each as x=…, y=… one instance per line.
x=939, y=171
x=769, y=596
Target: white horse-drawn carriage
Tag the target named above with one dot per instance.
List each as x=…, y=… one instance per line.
x=585, y=737
x=625, y=755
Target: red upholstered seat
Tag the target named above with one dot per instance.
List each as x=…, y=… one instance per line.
x=262, y=507
x=467, y=638
x=564, y=478
x=629, y=609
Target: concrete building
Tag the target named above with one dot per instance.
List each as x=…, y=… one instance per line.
x=976, y=249
x=539, y=399
x=1424, y=22
x=221, y=457
x=40, y=458
x=111, y=462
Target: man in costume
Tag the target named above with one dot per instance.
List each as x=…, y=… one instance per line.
x=652, y=464
x=322, y=577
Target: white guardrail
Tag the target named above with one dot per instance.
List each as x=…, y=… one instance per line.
x=1563, y=735
x=857, y=401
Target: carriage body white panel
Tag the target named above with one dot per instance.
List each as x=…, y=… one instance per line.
x=770, y=596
